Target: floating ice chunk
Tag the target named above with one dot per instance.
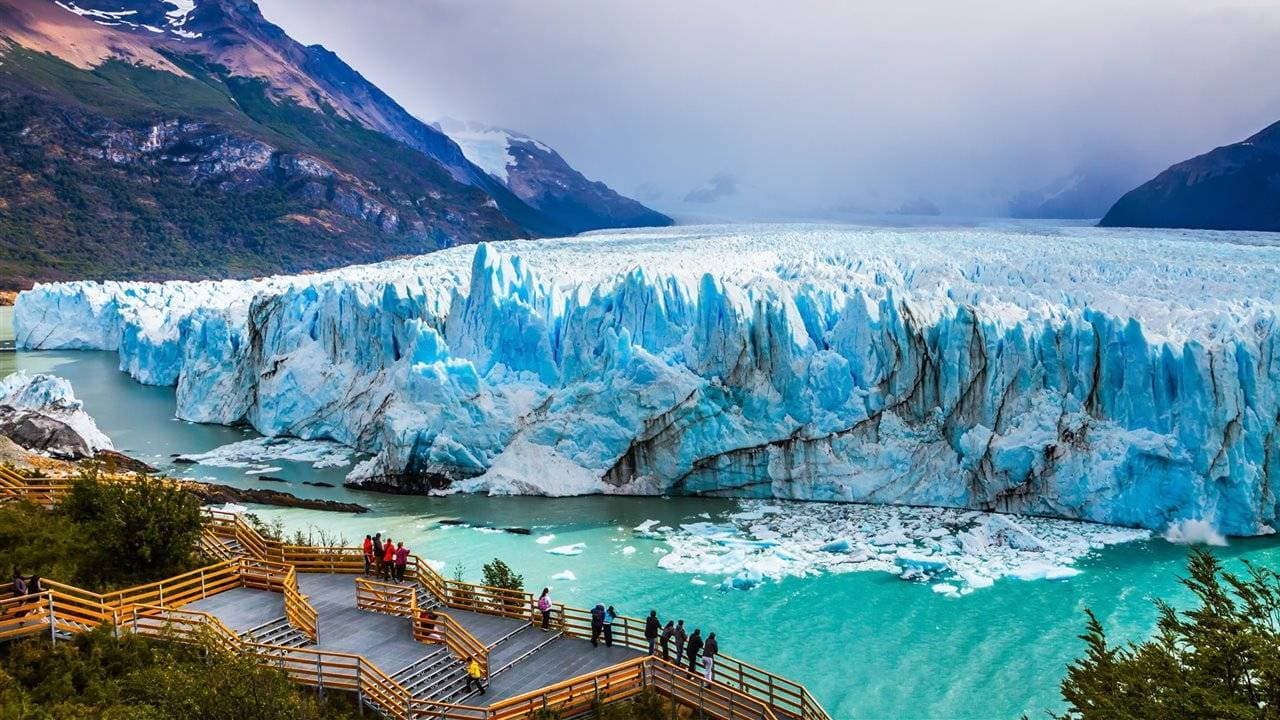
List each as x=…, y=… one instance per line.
x=545, y=539
x=1043, y=571
x=841, y=545
x=923, y=563
x=574, y=549
x=263, y=470
x=947, y=589
x=647, y=525
x=565, y=575
x=1194, y=532
x=697, y=581
x=233, y=508
x=893, y=536
x=256, y=452
x=628, y=550
x=660, y=551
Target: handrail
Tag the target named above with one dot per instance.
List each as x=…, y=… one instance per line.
x=402, y=601
x=788, y=697
x=298, y=609
x=457, y=638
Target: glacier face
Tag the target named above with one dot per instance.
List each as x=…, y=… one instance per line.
x=1127, y=377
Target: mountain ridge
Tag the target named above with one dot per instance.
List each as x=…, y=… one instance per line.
x=144, y=139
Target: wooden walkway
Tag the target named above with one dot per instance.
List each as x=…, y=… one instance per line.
x=522, y=657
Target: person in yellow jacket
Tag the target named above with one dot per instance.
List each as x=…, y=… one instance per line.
x=475, y=675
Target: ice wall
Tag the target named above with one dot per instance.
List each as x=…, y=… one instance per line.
x=1113, y=376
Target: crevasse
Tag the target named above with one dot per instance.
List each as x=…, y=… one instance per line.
x=1113, y=376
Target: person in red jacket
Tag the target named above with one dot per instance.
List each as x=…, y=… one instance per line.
x=402, y=559
x=388, y=559
x=368, y=554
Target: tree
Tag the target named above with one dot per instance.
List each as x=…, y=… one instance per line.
x=140, y=528
x=500, y=575
x=1218, y=660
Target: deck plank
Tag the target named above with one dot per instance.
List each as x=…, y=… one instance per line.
x=387, y=641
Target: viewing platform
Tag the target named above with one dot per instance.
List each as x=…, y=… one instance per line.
x=401, y=647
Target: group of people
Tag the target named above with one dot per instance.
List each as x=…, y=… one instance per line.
x=25, y=585
x=385, y=558
x=687, y=646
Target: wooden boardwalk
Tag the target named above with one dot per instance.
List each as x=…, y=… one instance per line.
x=522, y=657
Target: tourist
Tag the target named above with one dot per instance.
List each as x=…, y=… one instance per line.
x=377, y=554
x=388, y=558
x=709, y=657
x=680, y=637
x=368, y=554
x=667, y=632
x=402, y=559
x=19, y=584
x=429, y=627
x=695, y=645
x=544, y=607
x=475, y=675
x=652, y=626
x=609, y=616
x=597, y=624
x=34, y=586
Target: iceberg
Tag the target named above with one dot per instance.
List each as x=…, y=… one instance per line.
x=1115, y=376
x=41, y=412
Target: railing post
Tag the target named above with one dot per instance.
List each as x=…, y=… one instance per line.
x=320, y=675
x=203, y=593
x=53, y=622
x=162, y=596
x=359, y=689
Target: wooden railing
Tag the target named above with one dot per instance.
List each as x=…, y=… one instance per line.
x=298, y=610
x=386, y=598
x=45, y=492
x=24, y=615
x=748, y=683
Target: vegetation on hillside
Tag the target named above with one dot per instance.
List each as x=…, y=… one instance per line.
x=104, y=535
x=183, y=213
x=96, y=676
x=1219, y=660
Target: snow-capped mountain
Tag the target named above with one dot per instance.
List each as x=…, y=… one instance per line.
x=1084, y=194
x=1234, y=187
x=1120, y=377
x=194, y=138
x=539, y=176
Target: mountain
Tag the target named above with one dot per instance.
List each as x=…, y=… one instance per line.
x=1234, y=187
x=540, y=177
x=1084, y=194
x=189, y=139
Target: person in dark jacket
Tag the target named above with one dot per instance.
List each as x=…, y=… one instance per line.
x=695, y=645
x=667, y=632
x=709, y=657
x=651, y=629
x=609, y=616
x=597, y=624
x=680, y=637
x=377, y=555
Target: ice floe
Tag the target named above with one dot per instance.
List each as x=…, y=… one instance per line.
x=565, y=575
x=259, y=452
x=955, y=551
x=574, y=549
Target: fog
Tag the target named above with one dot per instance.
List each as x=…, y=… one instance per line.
x=798, y=109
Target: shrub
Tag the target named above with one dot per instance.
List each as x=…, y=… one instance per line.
x=96, y=675
x=138, y=529
x=500, y=575
x=1218, y=660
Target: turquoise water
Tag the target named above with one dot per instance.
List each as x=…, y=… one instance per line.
x=868, y=644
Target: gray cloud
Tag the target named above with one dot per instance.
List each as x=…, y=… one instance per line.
x=816, y=104
x=721, y=185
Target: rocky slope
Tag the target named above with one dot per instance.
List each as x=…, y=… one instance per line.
x=539, y=176
x=1234, y=187
x=152, y=139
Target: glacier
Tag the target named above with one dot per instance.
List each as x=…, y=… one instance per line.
x=1117, y=376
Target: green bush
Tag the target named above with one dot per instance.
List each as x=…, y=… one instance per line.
x=142, y=528
x=98, y=676
x=500, y=575
x=1218, y=660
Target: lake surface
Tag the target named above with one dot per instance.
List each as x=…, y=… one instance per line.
x=868, y=644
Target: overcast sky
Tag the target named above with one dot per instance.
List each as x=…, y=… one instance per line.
x=790, y=108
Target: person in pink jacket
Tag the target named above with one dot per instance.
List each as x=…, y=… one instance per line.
x=402, y=559
x=544, y=607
